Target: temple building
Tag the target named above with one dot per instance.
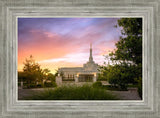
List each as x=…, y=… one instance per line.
x=87, y=73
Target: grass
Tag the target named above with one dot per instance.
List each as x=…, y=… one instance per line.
x=84, y=92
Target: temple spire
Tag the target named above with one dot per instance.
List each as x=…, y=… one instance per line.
x=90, y=57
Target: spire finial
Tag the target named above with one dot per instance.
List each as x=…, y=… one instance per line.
x=91, y=45
x=90, y=57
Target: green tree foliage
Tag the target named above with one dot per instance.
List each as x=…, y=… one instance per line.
x=97, y=84
x=31, y=70
x=120, y=74
x=50, y=84
x=129, y=47
x=21, y=76
x=127, y=57
x=51, y=77
x=33, y=73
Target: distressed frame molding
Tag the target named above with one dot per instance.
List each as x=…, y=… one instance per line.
x=149, y=10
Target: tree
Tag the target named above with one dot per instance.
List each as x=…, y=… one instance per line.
x=44, y=75
x=129, y=47
x=51, y=77
x=21, y=76
x=31, y=70
x=119, y=74
x=33, y=73
x=127, y=55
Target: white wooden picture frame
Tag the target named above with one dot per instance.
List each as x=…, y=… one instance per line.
x=10, y=107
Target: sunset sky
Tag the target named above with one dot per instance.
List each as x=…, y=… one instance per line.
x=65, y=42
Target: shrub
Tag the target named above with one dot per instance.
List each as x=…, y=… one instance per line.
x=50, y=84
x=120, y=74
x=101, y=79
x=97, y=84
x=32, y=86
x=73, y=92
x=111, y=88
x=39, y=85
x=54, y=84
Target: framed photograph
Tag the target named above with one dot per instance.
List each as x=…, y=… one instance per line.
x=79, y=58
x=65, y=54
